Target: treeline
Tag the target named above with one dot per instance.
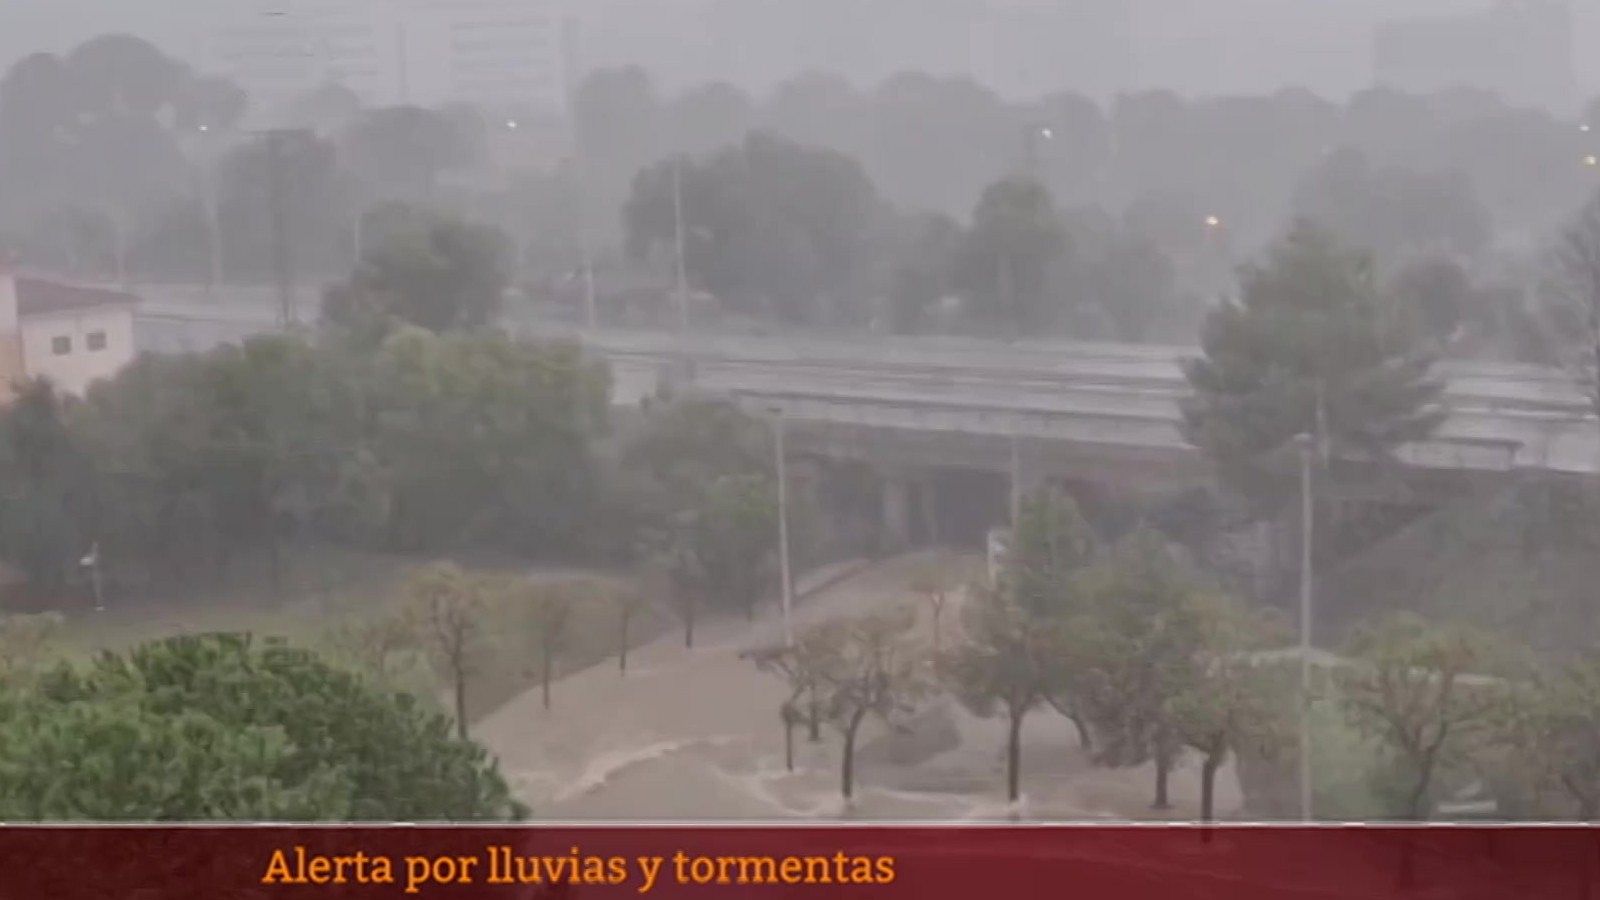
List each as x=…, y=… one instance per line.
x=821, y=203
x=1155, y=664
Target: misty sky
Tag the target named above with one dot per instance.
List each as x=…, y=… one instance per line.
x=1194, y=46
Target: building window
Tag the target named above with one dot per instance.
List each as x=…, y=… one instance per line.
x=97, y=340
x=61, y=346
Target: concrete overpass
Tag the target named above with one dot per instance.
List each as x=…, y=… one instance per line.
x=1106, y=412
x=1120, y=402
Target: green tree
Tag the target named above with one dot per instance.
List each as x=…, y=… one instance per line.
x=1235, y=702
x=46, y=489
x=219, y=728
x=482, y=440
x=1052, y=547
x=1309, y=326
x=1004, y=262
x=1428, y=694
x=1136, y=650
x=1053, y=543
x=726, y=545
x=771, y=227
x=429, y=270
x=1006, y=661
x=1549, y=736
x=27, y=641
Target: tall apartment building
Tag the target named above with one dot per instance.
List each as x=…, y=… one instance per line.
x=426, y=52
x=1521, y=49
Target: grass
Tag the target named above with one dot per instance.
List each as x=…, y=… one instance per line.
x=323, y=589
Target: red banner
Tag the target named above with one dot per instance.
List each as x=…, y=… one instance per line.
x=993, y=863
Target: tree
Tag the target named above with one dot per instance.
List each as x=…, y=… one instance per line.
x=1006, y=659
x=628, y=603
x=374, y=642
x=804, y=665
x=1235, y=701
x=432, y=271
x=481, y=440
x=734, y=540
x=1307, y=329
x=403, y=149
x=1551, y=731
x=771, y=227
x=871, y=668
x=448, y=607
x=46, y=489
x=1578, y=310
x=26, y=642
x=1390, y=209
x=549, y=609
x=1052, y=544
x=1003, y=266
x=218, y=728
x=1135, y=652
x=935, y=582
x=1424, y=692
x=922, y=269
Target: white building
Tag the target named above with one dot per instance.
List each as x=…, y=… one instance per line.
x=70, y=335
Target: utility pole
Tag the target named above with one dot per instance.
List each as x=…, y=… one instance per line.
x=282, y=259
x=208, y=189
x=1016, y=481
x=581, y=162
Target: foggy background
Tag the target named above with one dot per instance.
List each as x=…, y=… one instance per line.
x=1020, y=48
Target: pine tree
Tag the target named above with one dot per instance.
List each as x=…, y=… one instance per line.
x=1305, y=350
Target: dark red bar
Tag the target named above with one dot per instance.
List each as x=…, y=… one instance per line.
x=1001, y=863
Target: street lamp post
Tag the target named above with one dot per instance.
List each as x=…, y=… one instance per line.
x=91, y=562
x=211, y=204
x=677, y=216
x=786, y=586
x=1308, y=451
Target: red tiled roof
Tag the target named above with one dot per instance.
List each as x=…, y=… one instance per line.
x=36, y=296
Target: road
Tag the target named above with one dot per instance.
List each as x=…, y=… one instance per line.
x=695, y=735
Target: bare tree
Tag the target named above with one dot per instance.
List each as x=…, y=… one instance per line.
x=628, y=603
x=872, y=667
x=374, y=644
x=803, y=665
x=934, y=583
x=448, y=609
x=549, y=608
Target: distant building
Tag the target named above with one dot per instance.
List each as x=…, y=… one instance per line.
x=68, y=334
x=496, y=53
x=1521, y=49
x=279, y=49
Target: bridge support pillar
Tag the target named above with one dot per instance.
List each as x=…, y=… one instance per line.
x=928, y=506
x=897, y=513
